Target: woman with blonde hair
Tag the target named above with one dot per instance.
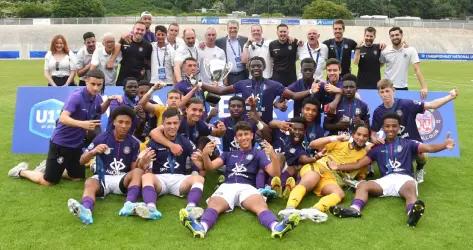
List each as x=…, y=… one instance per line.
x=59, y=63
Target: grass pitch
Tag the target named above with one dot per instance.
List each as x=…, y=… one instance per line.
x=37, y=217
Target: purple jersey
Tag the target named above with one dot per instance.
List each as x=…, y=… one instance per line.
x=283, y=144
x=122, y=153
x=185, y=87
x=325, y=97
x=242, y=167
x=265, y=92
x=349, y=109
x=128, y=102
x=395, y=157
x=82, y=106
x=312, y=132
x=166, y=163
x=407, y=110
x=228, y=140
x=193, y=133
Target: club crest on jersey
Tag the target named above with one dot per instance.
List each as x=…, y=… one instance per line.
x=399, y=148
x=429, y=125
x=345, y=46
x=140, y=49
x=375, y=52
x=60, y=159
x=289, y=47
x=126, y=150
x=399, y=112
x=292, y=150
x=249, y=157
x=91, y=146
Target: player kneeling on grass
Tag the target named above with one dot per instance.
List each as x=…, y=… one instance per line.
x=394, y=160
x=119, y=171
x=169, y=172
x=239, y=189
x=319, y=178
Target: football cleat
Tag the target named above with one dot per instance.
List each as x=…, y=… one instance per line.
x=192, y=224
x=313, y=214
x=84, y=214
x=420, y=176
x=15, y=171
x=147, y=212
x=290, y=184
x=288, y=212
x=276, y=185
x=416, y=213
x=195, y=212
x=268, y=192
x=286, y=225
x=342, y=212
x=41, y=167
x=128, y=209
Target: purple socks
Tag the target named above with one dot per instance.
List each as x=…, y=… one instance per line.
x=267, y=218
x=149, y=195
x=88, y=202
x=133, y=193
x=194, y=195
x=357, y=204
x=209, y=217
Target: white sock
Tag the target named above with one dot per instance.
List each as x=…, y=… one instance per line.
x=273, y=225
x=205, y=226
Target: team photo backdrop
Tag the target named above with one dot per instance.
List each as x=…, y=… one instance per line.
x=38, y=108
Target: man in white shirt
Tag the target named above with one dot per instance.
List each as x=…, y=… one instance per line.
x=183, y=52
x=162, y=58
x=258, y=46
x=84, y=55
x=101, y=56
x=232, y=45
x=172, y=38
x=209, y=52
x=397, y=59
x=315, y=50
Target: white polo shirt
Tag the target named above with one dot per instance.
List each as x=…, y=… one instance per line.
x=205, y=55
x=262, y=50
x=319, y=55
x=162, y=60
x=397, y=64
x=83, y=58
x=100, y=59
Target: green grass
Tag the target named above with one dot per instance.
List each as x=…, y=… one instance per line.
x=36, y=217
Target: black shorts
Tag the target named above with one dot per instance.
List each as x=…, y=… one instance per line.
x=60, y=158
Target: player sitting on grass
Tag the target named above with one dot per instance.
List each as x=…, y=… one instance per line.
x=407, y=111
x=394, y=160
x=121, y=172
x=170, y=174
x=292, y=154
x=317, y=177
x=239, y=189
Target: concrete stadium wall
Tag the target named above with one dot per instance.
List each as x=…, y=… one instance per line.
x=25, y=38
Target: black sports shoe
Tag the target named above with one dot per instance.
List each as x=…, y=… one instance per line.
x=342, y=212
x=416, y=212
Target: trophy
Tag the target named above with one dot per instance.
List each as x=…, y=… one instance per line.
x=217, y=69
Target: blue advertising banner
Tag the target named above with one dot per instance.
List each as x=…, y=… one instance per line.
x=291, y=21
x=324, y=21
x=38, y=108
x=37, y=53
x=249, y=21
x=449, y=57
x=9, y=54
x=209, y=20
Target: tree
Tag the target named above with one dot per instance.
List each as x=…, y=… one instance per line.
x=326, y=9
x=78, y=8
x=29, y=10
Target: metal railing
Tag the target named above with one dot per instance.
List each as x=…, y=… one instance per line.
x=454, y=24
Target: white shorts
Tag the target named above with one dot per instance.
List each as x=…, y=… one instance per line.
x=112, y=184
x=235, y=193
x=392, y=183
x=170, y=183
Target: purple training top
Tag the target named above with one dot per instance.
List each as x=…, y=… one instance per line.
x=349, y=109
x=82, y=106
x=408, y=110
x=243, y=166
x=166, y=162
x=266, y=91
x=395, y=157
x=122, y=154
x=201, y=128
